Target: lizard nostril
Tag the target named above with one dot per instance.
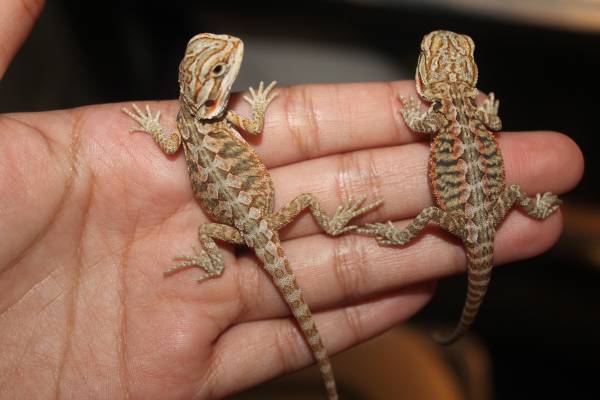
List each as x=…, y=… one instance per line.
x=209, y=103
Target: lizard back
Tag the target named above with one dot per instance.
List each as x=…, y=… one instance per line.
x=466, y=171
x=228, y=178
x=465, y=166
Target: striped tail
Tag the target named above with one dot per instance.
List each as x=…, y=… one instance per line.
x=278, y=267
x=479, y=272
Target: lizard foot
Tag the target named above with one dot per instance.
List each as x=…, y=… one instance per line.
x=261, y=98
x=384, y=233
x=147, y=122
x=345, y=212
x=545, y=205
x=210, y=265
x=411, y=107
x=490, y=105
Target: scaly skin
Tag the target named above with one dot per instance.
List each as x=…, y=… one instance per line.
x=466, y=170
x=231, y=182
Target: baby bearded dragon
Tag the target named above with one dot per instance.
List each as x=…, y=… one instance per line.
x=231, y=182
x=466, y=170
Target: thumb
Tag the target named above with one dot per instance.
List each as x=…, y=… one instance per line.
x=16, y=20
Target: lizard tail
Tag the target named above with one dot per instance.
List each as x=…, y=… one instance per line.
x=278, y=267
x=479, y=273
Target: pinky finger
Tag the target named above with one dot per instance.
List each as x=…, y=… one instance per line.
x=262, y=350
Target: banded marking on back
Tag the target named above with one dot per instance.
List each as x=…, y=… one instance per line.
x=447, y=171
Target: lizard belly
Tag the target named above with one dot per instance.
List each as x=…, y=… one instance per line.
x=228, y=178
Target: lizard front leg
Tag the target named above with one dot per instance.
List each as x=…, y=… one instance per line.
x=259, y=100
x=334, y=226
x=487, y=112
x=389, y=234
x=428, y=122
x=208, y=257
x=539, y=207
x=151, y=125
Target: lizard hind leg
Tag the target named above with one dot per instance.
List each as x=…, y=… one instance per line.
x=390, y=235
x=540, y=207
x=208, y=257
x=335, y=225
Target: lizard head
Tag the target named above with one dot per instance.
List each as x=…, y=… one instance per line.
x=207, y=72
x=446, y=60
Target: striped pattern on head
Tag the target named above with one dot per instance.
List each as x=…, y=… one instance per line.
x=446, y=59
x=207, y=72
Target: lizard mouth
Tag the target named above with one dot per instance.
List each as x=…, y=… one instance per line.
x=214, y=107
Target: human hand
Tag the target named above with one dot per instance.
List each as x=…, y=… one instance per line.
x=90, y=217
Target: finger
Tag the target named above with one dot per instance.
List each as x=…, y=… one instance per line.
x=280, y=347
x=538, y=162
x=16, y=20
x=338, y=271
x=310, y=121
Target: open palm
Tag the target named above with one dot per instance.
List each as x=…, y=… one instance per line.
x=90, y=217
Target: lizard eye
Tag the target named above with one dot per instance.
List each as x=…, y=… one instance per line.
x=218, y=70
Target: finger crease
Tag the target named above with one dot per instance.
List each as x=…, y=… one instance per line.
x=354, y=322
x=349, y=257
x=302, y=121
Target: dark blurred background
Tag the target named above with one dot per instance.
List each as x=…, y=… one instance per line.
x=537, y=334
